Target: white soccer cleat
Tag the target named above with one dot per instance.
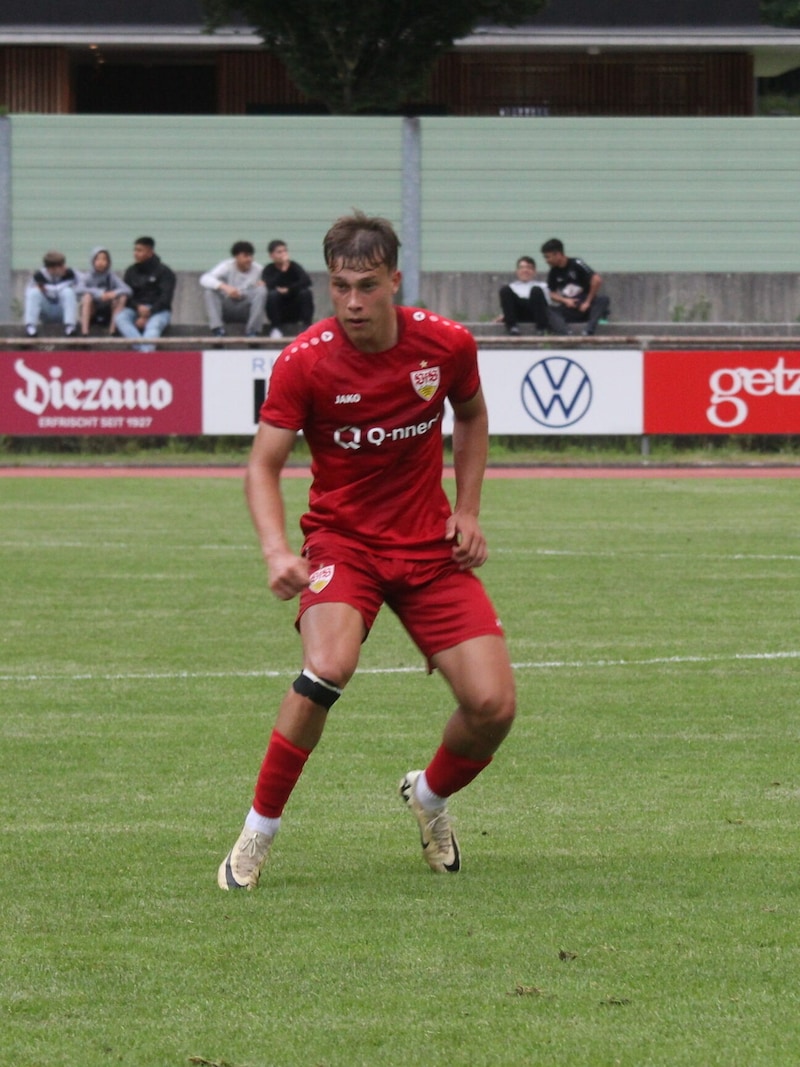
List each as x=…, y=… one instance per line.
x=439, y=846
x=241, y=868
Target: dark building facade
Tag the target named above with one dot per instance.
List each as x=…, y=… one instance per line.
x=578, y=57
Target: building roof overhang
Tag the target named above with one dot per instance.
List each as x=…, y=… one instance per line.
x=774, y=50
x=130, y=37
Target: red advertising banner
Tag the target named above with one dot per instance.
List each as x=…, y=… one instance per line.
x=720, y=392
x=100, y=393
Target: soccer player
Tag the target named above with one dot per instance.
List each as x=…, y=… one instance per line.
x=367, y=387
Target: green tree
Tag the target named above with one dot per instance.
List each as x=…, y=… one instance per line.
x=372, y=56
x=780, y=12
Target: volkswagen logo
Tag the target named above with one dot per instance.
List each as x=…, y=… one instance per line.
x=556, y=392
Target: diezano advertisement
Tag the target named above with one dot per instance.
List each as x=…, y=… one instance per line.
x=100, y=393
x=528, y=392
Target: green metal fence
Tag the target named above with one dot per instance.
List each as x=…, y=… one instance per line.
x=626, y=194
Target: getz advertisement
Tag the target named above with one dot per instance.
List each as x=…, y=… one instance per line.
x=722, y=392
x=528, y=392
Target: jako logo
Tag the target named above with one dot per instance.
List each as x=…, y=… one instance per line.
x=556, y=392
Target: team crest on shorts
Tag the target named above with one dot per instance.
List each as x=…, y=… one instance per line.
x=320, y=578
x=426, y=381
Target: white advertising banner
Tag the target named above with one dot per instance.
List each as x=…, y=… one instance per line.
x=528, y=391
x=234, y=387
x=564, y=391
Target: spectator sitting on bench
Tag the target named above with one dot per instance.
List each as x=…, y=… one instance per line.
x=574, y=290
x=152, y=285
x=525, y=299
x=101, y=293
x=234, y=292
x=50, y=295
x=289, y=296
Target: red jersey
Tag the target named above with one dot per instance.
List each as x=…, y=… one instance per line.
x=373, y=422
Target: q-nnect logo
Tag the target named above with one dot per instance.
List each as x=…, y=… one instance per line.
x=556, y=392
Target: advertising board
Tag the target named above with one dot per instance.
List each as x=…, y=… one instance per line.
x=542, y=392
x=529, y=391
x=722, y=392
x=234, y=387
x=62, y=392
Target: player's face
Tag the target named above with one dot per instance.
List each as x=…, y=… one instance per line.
x=363, y=303
x=244, y=261
x=525, y=271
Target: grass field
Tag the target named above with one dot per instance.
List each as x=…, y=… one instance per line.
x=630, y=892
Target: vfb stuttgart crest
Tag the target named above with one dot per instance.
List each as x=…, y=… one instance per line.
x=320, y=578
x=426, y=381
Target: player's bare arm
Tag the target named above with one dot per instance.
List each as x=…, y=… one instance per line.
x=288, y=572
x=470, y=449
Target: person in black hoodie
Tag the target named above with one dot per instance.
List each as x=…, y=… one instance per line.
x=152, y=285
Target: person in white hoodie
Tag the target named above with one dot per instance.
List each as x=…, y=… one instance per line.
x=524, y=299
x=50, y=295
x=101, y=293
x=233, y=291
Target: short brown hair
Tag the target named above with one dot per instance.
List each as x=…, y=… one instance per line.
x=360, y=242
x=54, y=259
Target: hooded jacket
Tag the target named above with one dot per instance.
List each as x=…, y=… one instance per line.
x=97, y=282
x=151, y=283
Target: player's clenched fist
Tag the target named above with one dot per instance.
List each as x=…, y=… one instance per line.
x=288, y=575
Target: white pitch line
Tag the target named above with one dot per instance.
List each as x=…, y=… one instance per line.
x=593, y=553
x=126, y=546
x=589, y=553
x=536, y=665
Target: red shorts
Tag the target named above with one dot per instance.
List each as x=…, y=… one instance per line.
x=439, y=605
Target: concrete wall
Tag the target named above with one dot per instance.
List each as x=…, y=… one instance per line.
x=635, y=298
x=646, y=297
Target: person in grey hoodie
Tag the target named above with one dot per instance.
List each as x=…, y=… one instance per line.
x=101, y=293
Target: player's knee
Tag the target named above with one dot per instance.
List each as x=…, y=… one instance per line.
x=505, y=711
x=494, y=714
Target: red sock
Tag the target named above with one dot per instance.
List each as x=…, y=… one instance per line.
x=282, y=766
x=447, y=773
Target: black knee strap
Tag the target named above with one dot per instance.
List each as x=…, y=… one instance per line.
x=319, y=690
